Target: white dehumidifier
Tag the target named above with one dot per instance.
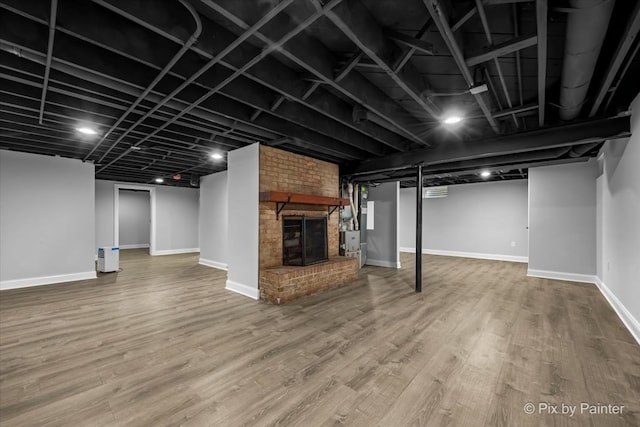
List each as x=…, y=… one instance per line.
x=108, y=259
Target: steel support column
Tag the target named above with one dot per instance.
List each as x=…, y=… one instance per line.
x=419, y=228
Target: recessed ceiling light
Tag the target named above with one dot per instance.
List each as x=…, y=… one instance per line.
x=452, y=120
x=86, y=131
x=485, y=174
x=216, y=156
x=159, y=180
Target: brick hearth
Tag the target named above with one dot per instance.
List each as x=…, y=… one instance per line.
x=279, y=285
x=289, y=172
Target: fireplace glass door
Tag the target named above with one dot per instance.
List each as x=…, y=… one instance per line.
x=304, y=240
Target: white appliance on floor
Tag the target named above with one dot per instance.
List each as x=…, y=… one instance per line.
x=108, y=259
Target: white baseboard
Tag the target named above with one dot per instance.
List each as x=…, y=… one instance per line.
x=214, y=264
x=46, y=280
x=477, y=255
x=558, y=275
x=135, y=246
x=379, y=263
x=241, y=289
x=632, y=324
x=175, y=251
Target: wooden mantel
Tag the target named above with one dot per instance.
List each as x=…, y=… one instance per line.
x=282, y=198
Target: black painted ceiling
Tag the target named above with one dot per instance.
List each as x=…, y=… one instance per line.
x=363, y=83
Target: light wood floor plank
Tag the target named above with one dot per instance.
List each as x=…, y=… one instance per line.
x=163, y=343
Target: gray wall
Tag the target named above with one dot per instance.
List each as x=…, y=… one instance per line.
x=475, y=220
x=214, y=220
x=135, y=218
x=382, y=241
x=46, y=219
x=243, y=187
x=619, y=207
x=562, y=221
x=176, y=217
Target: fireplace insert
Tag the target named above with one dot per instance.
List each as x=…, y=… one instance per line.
x=304, y=240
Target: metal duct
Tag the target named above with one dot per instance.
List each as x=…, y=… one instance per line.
x=587, y=27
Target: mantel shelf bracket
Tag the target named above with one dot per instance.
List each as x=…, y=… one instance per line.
x=280, y=206
x=332, y=210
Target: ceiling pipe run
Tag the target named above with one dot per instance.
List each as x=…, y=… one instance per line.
x=185, y=47
x=47, y=66
x=586, y=30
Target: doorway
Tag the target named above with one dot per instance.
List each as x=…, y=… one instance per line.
x=135, y=197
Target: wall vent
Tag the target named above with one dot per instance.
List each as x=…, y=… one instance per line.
x=435, y=192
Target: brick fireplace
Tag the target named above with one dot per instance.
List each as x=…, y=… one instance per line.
x=281, y=171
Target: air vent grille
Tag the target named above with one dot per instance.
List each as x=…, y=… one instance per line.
x=435, y=192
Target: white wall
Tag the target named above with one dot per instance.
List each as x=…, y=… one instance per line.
x=176, y=217
x=382, y=242
x=46, y=220
x=478, y=220
x=562, y=221
x=619, y=225
x=243, y=170
x=214, y=220
x=135, y=219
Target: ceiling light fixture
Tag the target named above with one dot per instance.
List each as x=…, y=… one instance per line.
x=216, y=156
x=452, y=119
x=485, y=174
x=159, y=180
x=86, y=131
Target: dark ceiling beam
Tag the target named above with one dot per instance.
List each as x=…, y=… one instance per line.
x=252, y=30
x=541, y=25
x=186, y=122
x=117, y=85
x=316, y=59
x=487, y=30
x=20, y=125
x=502, y=49
x=229, y=109
x=516, y=33
x=47, y=69
x=412, y=42
x=204, y=68
x=355, y=21
x=347, y=67
x=182, y=129
x=243, y=90
x=629, y=37
x=402, y=60
x=442, y=22
x=408, y=177
x=540, y=139
x=516, y=110
x=269, y=72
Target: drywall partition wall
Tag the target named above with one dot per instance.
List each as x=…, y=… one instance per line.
x=243, y=208
x=177, y=220
x=562, y=222
x=46, y=220
x=134, y=219
x=482, y=220
x=619, y=207
x=382, y=241
x=104, y=214
x=176, y=217
x=214, y=220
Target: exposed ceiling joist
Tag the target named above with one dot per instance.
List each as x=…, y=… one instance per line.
x=502, y=49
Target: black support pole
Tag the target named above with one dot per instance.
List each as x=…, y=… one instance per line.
x=419, y=229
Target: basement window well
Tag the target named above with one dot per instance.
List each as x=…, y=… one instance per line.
x=304, y=240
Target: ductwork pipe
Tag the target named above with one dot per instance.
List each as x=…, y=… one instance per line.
x=587, y=27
